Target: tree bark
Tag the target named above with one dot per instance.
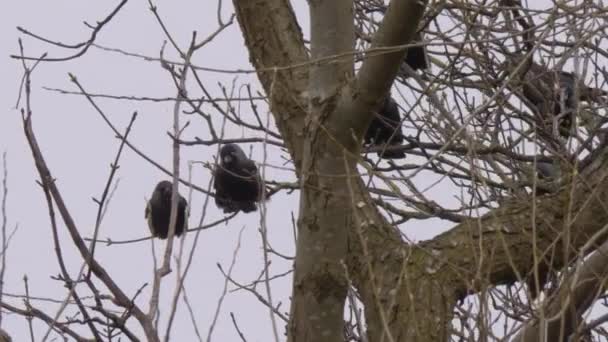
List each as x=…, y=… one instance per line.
x=276, y=50
x=409, y=291
x=563, y=311
x=319, y=284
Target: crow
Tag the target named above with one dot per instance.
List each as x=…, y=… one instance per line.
x=237, y=183
x=416, y=56
x=385, y=130
x=547, y=171
x=158, y=211
x=551, y=93
x=549, y=174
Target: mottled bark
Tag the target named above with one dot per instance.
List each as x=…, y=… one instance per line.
x=563, y=311
x=276, y=50
x=319, y=285
x=409, y=291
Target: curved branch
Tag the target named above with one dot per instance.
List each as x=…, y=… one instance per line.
x=49, y=186
x=277, y=51
x=565, y=309
x=511, y=235
x=378, y=71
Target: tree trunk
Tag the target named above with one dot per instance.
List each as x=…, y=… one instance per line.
x=409, y=291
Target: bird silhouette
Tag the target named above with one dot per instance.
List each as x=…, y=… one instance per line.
x=416, y=56
x=551, y=93
x=158, y=211
x=385, y=130
x=237, y=183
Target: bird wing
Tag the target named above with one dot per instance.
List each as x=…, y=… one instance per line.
x=252, y=170
x=147, y=212
x=217, y=184
x=148, y=217
x=184, y=203
x=249, y=167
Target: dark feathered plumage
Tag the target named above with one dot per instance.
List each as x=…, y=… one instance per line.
x=416, y=56
x=385, y=128
x=547, y=171
x=237, y=183
x=158, y=211
x=548, y=175
x=551, y=93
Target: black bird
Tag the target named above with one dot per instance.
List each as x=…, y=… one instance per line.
x=549, y=174
x=416, y=56
x=385, y=129
x=547, y=171
x=551, y=93
x=237, y=183
x=158, y=211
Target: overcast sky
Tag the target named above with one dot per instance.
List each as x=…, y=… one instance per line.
x=79, y=148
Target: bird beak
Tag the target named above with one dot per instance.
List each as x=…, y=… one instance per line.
x=227, y=159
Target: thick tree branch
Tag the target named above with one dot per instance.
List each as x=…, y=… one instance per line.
x=564, y=310
x=319, y=285
x=332, y=41
x=506, y=239
x=496, y=249
x=406, y=298
x=330, y=151
x=277, y=51
x=378, y=71
x=409, y=291
x=415, y=287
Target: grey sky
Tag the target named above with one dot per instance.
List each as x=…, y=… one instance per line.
x=79, y=148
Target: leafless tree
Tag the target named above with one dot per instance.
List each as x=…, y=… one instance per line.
x=506, y=151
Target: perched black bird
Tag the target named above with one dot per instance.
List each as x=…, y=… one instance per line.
x=237, y=183
x=547, y=171
x=551, y=93
x=385, y=129
x=158, y=211
x=416, y=56
x=549, y=174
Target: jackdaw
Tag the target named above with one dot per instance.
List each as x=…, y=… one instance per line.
x=237, y=183
x=552, y=94
x=416, y=56
x=385, y=130
x=158, y=211
x=549, y=174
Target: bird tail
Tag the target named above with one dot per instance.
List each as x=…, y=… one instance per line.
x=248, y=207
x=597, y=92
x=416, y=58
x=390, y=154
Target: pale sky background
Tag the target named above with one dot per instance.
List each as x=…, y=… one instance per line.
x=79, y=148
